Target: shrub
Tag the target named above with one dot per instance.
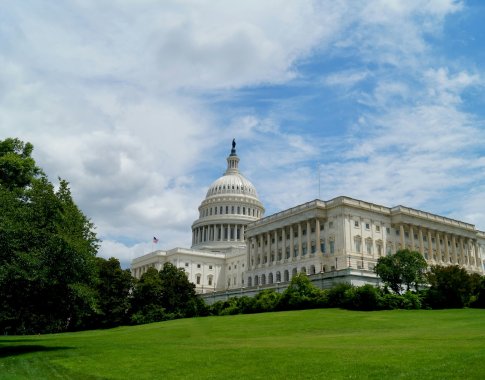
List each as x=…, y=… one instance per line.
x=391, y=301
x=336, y=295
x=364, y=297
x=300, y=294
x=266, y=300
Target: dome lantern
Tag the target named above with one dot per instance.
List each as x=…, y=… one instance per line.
x=232, y=160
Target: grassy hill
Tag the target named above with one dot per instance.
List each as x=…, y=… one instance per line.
x=310, y=344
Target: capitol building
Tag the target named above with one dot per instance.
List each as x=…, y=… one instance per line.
x=237, y=250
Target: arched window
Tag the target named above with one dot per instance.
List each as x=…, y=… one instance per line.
x=287, y=276
x=312, y=269
x=250, y=281
x=303, y=270
x=256, y=280
x=263, y=279
x=270, y=278
x=278, y=276
x=294, y=272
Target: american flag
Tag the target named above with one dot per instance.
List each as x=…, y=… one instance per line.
x=155, y=240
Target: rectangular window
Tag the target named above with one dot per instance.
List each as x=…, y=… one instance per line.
x=356, y=223
x=198, y=280
x=332, y=247
x=186, y=264
x=369, y=248
x=357, y=245
x=209, y=280
x=198, y=265
x=378, y=228
x=367, y=226
x=388, y=230
x=210, y=266
x=330, y=224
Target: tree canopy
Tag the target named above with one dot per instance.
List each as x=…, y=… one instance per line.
x=47, y=248
x=405, y=267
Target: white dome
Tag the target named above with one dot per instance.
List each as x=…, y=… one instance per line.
x=230, y=204
x=232, y=184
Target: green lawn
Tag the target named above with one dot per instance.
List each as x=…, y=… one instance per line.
x=311, y=344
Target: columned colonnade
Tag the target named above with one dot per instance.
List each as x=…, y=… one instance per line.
x=438, y=247
x=292, y=242
x=218, y=232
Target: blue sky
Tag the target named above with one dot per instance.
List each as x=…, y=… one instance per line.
x=135, y=103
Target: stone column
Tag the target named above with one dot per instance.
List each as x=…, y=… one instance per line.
x=308, y=238
x=275, y=236
x=248, y=255
x=462, y=252
x=438, y=248
x=317, y=236
x=292, y=242
x=283, y=249
x=453, y=249
x=300, y=243
x=411, y=233
x=477, y=256
x=447, y=251
x=421, y=244
x=268, y=250
x=401, y=230
x=430, y=246
x=243, y=235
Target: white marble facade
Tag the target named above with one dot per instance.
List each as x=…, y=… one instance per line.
x=235, y=246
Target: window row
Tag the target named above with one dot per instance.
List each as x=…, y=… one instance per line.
x=230, y=210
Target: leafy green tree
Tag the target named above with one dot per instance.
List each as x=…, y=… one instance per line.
x=113, y=291
x=178, y=293
x=405, y=267
x=146, y=301
x=450, y=287
x=17, y=167
x=266, y=300
x=167, y=294
x=366, y=297
x=479, y=300
x=300, y=294
x=47, y=249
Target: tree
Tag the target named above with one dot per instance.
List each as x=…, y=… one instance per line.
x=47, y=249
x=167, y=294
x=300, y=294
x=450, y=287
x=146, y=302
x=178, y=293
x=113, y=290
x=17, y=167
x=403, y=268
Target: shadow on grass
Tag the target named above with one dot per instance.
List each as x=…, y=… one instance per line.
x=6, y=351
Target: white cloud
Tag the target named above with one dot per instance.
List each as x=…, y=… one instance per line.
x=114, y=97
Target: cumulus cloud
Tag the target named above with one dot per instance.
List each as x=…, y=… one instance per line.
x=123, y=99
